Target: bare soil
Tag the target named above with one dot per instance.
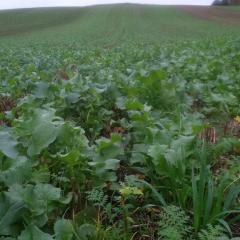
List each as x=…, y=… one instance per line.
x=218, y=14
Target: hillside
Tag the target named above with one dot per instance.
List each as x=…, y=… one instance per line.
x=112, y=24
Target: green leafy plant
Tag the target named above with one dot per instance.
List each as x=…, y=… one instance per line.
x=102, y=128
x=212, y=233
x=212, y=201
x=174, y=224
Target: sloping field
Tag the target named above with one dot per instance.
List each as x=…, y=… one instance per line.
x=225, y=15
x=16, y=22
x=110, y=25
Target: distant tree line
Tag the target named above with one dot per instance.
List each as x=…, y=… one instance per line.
x=226, y=2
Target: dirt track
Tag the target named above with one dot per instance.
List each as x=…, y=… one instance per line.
x=219, y=14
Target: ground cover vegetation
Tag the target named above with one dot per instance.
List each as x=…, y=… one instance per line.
x=130, y=131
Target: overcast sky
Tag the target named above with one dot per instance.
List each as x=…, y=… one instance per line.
x=7, y=4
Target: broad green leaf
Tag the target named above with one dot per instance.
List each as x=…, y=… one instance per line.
x=40, y=130
x=43, y=135
x=8, y=144
x=39, y=199
x=47, y=192
x=10, y=213
x=18, y=171
x=63, y=230
x=157, y=153
x=86, y=231
x=73, y=97
x=34, y=233
x=112, y=164
x=41, y=89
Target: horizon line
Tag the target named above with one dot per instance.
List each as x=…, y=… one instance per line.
x=103, y=4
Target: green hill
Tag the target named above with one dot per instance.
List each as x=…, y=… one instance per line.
x=108, y=25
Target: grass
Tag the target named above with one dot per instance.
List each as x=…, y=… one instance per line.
x=236, y=8
x=17, y=22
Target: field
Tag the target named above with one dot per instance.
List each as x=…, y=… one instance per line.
x=120, y=122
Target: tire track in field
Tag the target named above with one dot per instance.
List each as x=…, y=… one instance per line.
x=114, y=29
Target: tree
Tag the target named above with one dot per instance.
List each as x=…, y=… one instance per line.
x=226, y=2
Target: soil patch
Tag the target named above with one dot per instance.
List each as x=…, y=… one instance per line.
x=218, y=14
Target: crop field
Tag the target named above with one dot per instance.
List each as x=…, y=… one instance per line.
x=120, y=122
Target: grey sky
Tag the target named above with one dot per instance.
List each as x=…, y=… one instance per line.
x=7, y=4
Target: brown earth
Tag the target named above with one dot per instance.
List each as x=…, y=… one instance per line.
x=218, y=14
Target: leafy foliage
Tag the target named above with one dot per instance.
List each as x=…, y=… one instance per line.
x=212, y=233
x=173, y=224
x=133, y=140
